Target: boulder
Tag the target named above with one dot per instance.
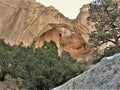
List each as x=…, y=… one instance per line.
x=105, y=75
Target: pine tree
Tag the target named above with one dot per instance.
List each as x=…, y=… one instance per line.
x=107, y=18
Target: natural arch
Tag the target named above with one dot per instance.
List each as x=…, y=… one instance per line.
x=65, y=39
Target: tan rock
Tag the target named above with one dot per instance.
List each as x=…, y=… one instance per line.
x=8, y=85
x=32, y=23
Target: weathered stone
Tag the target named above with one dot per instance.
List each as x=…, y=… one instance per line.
x=30, y=22
x=8, y=85
x=105, y=75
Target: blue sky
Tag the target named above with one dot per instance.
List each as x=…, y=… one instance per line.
x=70, y=8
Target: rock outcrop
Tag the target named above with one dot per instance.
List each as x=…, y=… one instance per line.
x=31, y=23
x=8, y=85
x=105, y=75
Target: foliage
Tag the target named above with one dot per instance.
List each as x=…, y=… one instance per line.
x=107, y=52
x=40, y=68
x=106, y=15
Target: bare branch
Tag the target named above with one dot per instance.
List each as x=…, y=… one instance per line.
x=108, y=40
x=118, y=38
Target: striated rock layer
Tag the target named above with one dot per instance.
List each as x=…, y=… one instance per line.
x=31, y=23
x=103, y=76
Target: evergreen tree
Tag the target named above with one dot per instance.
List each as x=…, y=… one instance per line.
x=40, y=68
x=106, y=15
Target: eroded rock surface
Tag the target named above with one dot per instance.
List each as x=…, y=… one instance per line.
x=30, y=22
x=8, y=85
x=105, y=75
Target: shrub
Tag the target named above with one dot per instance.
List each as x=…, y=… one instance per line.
x=40, y=68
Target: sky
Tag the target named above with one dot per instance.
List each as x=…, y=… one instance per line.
x=69, y=8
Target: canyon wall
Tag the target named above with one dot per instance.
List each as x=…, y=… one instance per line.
x=32, y=23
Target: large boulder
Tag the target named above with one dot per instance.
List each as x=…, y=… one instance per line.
x=105, y=75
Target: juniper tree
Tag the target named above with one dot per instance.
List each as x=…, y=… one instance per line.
x=106, y=15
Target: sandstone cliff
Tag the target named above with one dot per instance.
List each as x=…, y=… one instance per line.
x=31, y=23
x=105, y=75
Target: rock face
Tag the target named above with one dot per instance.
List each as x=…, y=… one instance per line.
x=8, y=85
x=105, y=75
x=30, y=22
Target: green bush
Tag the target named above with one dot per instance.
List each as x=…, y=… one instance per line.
x=107, y=52
x=40, y=68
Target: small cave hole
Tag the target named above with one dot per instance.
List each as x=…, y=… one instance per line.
x=60, y=35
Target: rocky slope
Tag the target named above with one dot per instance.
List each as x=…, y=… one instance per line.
x=31, y=23
x=105, y=75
